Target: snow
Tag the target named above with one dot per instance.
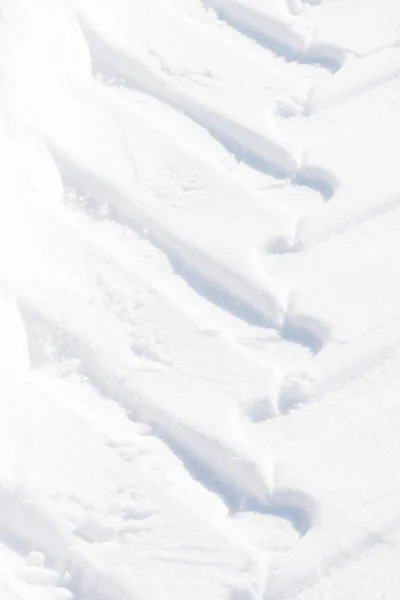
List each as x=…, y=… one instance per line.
x=199, y=299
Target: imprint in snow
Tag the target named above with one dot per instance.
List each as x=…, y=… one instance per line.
x=323, y=181
x=281, y=245
x=304, y=329
x=295, y=390
x=261, y=409
x=317, y=178
x=289, y=107
x=268, y=532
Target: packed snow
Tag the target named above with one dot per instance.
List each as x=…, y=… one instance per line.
x=200, y=300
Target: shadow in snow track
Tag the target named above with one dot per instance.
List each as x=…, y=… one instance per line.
x=220, y=297
x=294, y=508
x=271, y=36
x=319, y=179
x=304, y=336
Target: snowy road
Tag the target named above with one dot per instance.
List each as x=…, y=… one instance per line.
x=199, y=299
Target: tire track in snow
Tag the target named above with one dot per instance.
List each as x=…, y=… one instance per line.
x=183, y=439
x=236, y=475
x=291, y=394
x=295, y=328
x=301, y=328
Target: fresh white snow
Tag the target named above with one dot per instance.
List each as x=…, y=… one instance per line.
x=199, y=300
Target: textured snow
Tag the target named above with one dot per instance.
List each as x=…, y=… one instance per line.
x=199, y=299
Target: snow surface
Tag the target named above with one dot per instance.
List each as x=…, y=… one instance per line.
x=199, y=300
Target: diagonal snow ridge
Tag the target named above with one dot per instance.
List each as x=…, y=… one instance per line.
x=267, y=149
x=278, y=30
x=199, y=299
x=188, y=259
